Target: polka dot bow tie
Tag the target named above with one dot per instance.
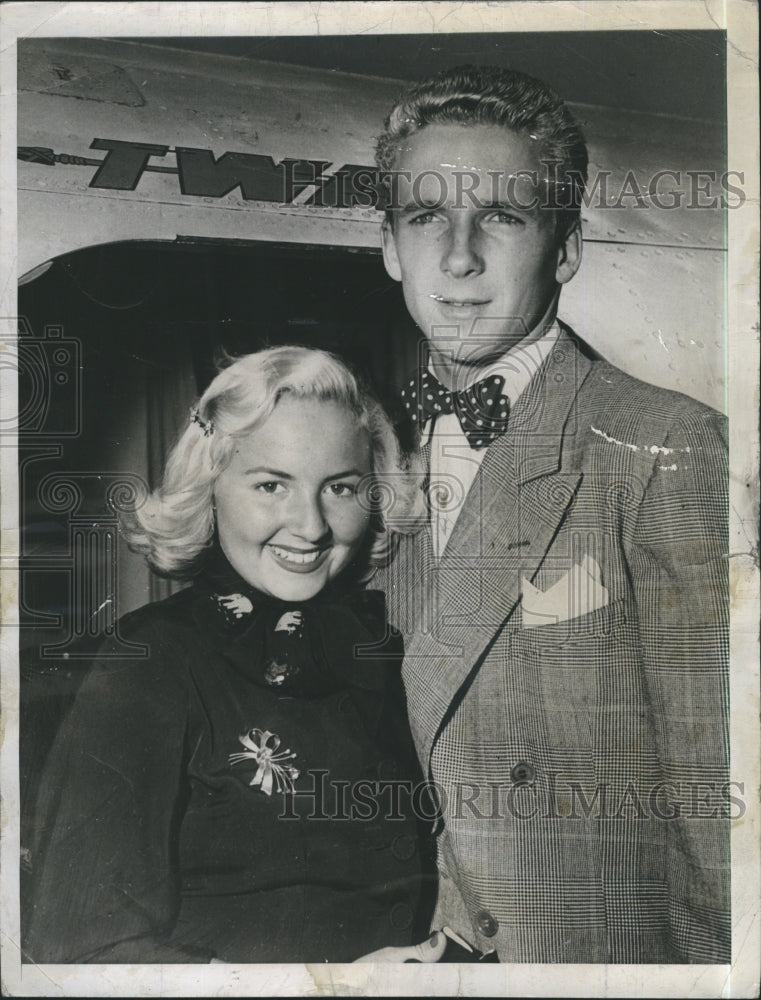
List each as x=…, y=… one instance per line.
x=482, y=408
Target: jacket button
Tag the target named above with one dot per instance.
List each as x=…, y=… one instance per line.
x=401, y=915
x=403, y=848
x=486, y=923
x=523, y=773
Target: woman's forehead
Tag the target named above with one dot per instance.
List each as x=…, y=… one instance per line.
x=307, y=430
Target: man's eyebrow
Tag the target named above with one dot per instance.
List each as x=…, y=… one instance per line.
x=501, y=205
x=472, y=201
x=421, y=204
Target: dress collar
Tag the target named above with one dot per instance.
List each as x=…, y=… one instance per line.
x=249, y=627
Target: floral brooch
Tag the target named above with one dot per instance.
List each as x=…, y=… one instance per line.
x=263, y=746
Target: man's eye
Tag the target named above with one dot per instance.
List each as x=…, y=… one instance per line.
x=271, y=486
x=424, y=219
x=505, y=218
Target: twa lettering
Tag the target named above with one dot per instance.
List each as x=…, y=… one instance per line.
x=200, y=173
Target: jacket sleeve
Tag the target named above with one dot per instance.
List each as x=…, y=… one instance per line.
x=678, y=566
x=105, y=867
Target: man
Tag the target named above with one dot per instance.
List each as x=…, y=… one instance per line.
x=565, y=608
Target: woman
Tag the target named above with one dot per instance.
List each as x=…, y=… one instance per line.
x=242, y=791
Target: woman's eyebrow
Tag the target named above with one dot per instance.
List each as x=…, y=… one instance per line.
x=276, y=473
x=344, y=475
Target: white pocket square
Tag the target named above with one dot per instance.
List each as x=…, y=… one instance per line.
x=577, y=593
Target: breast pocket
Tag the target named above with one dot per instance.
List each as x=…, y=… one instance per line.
x=598, y=624
x=580, y=674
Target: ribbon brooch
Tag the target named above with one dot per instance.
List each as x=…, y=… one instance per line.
x=263, y=747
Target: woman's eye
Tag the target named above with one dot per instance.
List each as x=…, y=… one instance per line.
x=342, y=489
x=271, y=486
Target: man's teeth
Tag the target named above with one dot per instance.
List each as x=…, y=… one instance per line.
x=296, y=557
x=458, y=302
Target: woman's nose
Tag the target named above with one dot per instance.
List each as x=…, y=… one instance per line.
x=461, y=257
x=307, y=518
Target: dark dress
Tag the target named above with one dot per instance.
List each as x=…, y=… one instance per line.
x=241, y=792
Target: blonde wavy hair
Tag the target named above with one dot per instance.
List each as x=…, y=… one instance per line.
x=174, y=526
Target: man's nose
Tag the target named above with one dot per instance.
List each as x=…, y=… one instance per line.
x=462, y=258
x=307, y=518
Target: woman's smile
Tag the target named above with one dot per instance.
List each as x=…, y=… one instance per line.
x=298, y=560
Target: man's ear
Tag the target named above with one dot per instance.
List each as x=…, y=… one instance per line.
x=569, y=255
x=390, y=257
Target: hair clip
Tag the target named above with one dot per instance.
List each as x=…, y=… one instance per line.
x=207, y=426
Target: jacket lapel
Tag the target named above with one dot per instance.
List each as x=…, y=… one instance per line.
x=512, y=513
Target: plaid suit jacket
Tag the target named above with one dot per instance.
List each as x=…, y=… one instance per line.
x=581, y=765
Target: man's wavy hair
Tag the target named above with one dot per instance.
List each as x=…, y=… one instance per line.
x=490, y=95
x=175, y=525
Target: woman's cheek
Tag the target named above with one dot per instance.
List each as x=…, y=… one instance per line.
x=356, y=524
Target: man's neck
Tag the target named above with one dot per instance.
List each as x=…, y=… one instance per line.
x=458, y=374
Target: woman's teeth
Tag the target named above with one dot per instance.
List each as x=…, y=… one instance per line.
x=296, y=557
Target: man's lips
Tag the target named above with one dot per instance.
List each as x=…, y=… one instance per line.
x=298, y=560
x=458, y=303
